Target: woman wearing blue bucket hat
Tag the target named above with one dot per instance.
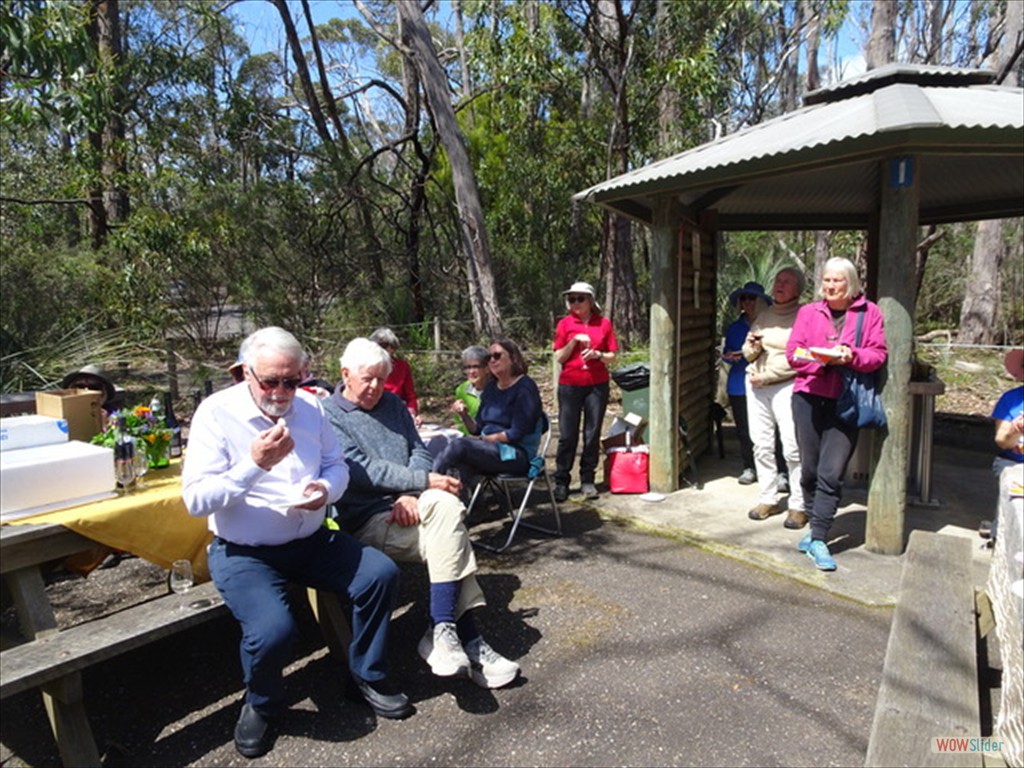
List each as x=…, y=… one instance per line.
x=750, y=299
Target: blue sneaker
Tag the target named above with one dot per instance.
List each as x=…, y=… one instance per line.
x=805, y=542
x=818, y=552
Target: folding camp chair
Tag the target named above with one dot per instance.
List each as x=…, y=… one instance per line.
x=687, y=462
x=504, y=483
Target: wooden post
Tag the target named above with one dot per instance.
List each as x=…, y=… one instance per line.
x=437, y=334
x=663, y=431
x=897, y=245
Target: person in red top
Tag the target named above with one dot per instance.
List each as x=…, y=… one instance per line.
x=400, y=380
x=584, y=346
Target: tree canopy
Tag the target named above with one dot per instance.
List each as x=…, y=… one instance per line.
x=401, y=161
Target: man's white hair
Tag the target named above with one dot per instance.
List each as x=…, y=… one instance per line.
x=363, y=353
x=274, y=338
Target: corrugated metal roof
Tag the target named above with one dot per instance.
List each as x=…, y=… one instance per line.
x=817, y=167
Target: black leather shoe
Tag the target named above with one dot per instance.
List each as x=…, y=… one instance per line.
x=394, y=706
x=252, y=733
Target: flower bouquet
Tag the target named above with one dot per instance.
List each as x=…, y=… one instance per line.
x=141, y=424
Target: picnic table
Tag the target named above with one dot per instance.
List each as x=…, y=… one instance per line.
x=152, y=523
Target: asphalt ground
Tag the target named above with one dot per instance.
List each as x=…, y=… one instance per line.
x=636, y=649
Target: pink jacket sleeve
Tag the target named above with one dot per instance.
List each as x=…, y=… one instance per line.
x=802, y=335
x=872, y=352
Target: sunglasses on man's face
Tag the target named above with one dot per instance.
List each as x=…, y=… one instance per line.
x=577, y=299
x=269, y=384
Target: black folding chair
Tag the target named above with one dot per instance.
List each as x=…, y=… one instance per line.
x=505, y=482
x=688, y=461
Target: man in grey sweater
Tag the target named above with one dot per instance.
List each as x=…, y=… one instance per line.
x=395, y=503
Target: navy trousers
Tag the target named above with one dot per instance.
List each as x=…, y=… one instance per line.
x=826, y=444
x=253, y=581
x=575, y=402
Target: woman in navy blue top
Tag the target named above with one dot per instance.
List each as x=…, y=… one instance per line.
x=506, y=431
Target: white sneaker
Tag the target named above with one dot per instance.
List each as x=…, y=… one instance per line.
x=441, y=649
x=489, y=668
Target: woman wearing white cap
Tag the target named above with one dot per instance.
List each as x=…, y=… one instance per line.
x=585, y=346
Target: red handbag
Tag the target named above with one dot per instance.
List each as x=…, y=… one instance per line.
x=627, y=469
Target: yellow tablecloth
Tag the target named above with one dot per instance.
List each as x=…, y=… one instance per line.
x=151, y=523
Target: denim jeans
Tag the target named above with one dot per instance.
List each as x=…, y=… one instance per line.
x=826, y=444
x=590, y=402
x=253, y=581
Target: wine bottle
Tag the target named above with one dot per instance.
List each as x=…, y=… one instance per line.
x=172, y=424
x=157, y=409
x=124, y=454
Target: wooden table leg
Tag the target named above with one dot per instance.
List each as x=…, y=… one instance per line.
x=333, y=623
x=62, y=699
x=65, y=706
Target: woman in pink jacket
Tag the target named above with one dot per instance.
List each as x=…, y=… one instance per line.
x=825, y=442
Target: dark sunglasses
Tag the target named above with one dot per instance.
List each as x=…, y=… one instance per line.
x=269, y=384
x=496, y=355
x=574, y=299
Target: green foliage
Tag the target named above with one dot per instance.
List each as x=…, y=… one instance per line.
x=239, y=212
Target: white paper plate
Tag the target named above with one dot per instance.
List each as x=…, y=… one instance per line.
x=825, y=352
x=300, y=500
x=652, y=496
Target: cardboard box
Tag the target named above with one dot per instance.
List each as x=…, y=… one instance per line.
x=29, y=431
x=79, y=407
x=50, y=477
x=632, y=424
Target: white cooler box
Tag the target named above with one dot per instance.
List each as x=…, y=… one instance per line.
x=29, y=431
x=40, y=479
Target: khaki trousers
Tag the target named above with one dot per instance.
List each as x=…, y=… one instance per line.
x=440, y=540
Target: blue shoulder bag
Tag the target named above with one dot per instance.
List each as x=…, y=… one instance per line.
x=859, y=403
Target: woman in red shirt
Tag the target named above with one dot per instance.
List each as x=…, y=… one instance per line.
x=400, y=381
x=584, y=346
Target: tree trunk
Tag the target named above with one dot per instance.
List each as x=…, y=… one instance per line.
x=981, y=299
x=668, y=97
x=302, y=70
x=813, y=18
x=612, y=45
x=882, y=42
x=466, y=89
x=980, y=310
x=483, y=296
x=113, y=165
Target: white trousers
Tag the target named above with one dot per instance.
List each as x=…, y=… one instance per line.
x=768, y=407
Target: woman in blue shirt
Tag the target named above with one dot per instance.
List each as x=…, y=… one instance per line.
x=749, y=299
x=506, y=431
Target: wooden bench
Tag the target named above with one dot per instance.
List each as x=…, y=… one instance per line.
x=54, y=655
x=54, y=660
x=930, y=684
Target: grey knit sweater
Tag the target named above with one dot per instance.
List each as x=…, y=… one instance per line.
x=386, y=458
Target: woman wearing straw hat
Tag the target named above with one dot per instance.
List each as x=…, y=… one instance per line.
x=584, y=346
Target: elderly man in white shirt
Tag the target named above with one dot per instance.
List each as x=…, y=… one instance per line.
x=262, y=465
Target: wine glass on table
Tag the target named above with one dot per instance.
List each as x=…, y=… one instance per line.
x=181, y=580
x=141, y=462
